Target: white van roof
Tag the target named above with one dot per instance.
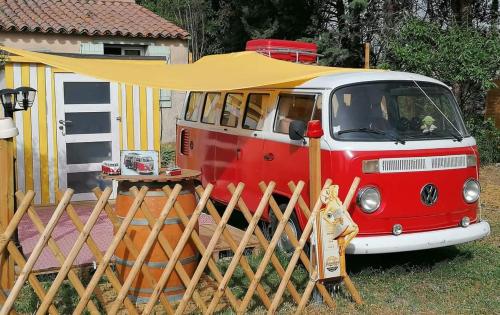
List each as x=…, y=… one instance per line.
x=339, y=79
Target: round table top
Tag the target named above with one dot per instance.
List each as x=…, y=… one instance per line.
x=186, y=174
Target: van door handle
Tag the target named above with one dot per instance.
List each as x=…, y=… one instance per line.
x=269, y=157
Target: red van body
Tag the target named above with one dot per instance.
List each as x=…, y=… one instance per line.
x=424, y=170
x=144, y=165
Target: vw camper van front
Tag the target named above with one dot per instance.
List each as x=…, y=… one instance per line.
x=418, y=165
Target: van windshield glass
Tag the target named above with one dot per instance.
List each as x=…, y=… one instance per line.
x=401, y=111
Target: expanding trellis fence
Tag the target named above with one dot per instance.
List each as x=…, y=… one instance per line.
x=140, y=266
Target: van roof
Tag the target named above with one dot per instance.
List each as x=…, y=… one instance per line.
x=338, y=79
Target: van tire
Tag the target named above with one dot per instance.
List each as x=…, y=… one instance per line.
x=269, y=228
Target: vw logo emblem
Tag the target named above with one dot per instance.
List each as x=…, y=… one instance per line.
x=429, y=194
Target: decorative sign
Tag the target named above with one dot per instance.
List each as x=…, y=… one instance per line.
x=139, y=162
x=333, y=222
x=110, y=168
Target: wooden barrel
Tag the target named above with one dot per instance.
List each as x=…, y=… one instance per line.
x=139, y=230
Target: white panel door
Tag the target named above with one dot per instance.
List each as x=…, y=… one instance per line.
x=87, y=132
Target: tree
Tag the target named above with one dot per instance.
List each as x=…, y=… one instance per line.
x=464, y=58
x=194, y=16
x=219, y=26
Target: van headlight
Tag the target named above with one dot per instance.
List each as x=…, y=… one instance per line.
x=471, y=190
x=368, y=199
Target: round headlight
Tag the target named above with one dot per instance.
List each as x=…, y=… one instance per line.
x=471, y=190
x=368, y=199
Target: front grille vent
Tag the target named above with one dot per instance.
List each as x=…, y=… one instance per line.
x=447, y=162
x=402, y=164
x=417, y=164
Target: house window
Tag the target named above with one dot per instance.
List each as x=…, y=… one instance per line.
x=123, y=50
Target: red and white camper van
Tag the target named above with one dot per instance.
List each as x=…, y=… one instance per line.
x=401, y=133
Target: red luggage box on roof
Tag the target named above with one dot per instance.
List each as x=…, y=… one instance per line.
x=287, y=50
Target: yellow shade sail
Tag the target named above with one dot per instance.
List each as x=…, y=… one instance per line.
x=211, y=73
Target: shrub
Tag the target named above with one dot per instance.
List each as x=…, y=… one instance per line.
x=487, y=138
x=466, y=59
x=167, y=154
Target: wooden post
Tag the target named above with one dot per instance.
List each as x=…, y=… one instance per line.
x=7, y=133
x=315, y=132
x=367, y=55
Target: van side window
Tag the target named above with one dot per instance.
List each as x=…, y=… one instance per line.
x=194, y=105
x=295, y=107
x=231, y=113
x=255, y=111
x=210, y=108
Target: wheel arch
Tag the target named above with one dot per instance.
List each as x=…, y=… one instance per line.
x=283, y=198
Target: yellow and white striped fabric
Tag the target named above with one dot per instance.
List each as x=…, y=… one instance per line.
x=36, y=144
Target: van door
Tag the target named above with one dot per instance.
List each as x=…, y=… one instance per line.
x=284, y=159
x=226, y=148
x=250, y=147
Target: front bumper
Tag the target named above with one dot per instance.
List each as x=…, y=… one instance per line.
x=418, y=241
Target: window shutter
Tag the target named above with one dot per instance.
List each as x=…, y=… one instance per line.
x=164, y=51
x=92, y=49
x=165, y=98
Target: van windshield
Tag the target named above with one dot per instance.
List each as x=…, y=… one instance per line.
x=405, y=110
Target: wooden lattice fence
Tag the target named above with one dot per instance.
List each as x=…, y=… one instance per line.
x=222, y=296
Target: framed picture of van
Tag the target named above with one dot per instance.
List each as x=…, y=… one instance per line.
x=139, y=162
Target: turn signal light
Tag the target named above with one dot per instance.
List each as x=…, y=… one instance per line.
x=471, y=160
x=370, y=166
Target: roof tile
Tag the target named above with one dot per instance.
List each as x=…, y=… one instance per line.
x=95, y=18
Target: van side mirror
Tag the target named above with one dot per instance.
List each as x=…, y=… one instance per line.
x=297, y=130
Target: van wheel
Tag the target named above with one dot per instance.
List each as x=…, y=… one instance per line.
x=269, y=228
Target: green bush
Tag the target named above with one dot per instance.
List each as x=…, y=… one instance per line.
x=487, y=138
x=466, y=59
x=167, y=154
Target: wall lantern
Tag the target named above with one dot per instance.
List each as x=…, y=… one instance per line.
x=14, y=100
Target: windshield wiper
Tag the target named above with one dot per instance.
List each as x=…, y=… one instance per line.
x=458, y=138
x=374, y=131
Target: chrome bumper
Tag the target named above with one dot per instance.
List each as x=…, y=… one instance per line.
x=418, y=241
